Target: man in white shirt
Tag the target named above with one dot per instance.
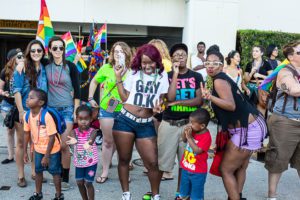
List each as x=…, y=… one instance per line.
x=198, y=59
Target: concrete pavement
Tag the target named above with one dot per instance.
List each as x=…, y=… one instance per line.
x=255, y=187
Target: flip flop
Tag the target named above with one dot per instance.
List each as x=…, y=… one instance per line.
x=166, y=179
x=101, y=180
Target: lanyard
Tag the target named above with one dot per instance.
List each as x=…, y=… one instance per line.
x=59, y=75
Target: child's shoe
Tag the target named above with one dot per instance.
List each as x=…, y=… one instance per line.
x=126, y=196
x=61, y=197
x=36, y=196
x=156, y=197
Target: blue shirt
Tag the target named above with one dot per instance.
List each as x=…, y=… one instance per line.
x=21, y=85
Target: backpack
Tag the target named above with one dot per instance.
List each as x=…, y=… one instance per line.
x=57, y=117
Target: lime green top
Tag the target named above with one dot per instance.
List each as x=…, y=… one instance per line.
x=107, y=76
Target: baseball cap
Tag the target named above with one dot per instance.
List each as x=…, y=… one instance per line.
x=12, y=53
x=178, y=46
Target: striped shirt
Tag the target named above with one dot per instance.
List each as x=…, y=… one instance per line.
x=82, y=157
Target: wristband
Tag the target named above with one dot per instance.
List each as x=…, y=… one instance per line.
x=118, y=82
x=90, y=99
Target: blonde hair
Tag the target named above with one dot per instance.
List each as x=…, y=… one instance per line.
x=162, y=48
x=127, y=51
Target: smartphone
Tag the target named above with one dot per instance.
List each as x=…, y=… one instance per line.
x=122, y=59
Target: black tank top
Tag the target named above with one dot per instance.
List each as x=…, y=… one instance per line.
x=242, y=110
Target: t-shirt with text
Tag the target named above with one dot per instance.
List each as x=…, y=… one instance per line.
x=187, y=84
x=144, y=89
x=40, y=133
x=196, y=163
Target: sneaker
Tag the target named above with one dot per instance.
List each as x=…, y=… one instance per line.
x=36, y=196
x=155, y=197
x=126, y=196
x=271, y=198
x=6, y=161
x=65, y=186
x=61, y=197
x=22, y=182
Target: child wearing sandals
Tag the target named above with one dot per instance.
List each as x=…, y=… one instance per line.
x=194, y=159
x=85, y=152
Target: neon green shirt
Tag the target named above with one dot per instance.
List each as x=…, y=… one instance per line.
x=107, y=76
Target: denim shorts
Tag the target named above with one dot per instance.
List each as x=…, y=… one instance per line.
x=86, y=173
x=67, y=113
x=5, y=106
x=104, y=114
x=140, y=130
x=192, y=185
x=54, y=166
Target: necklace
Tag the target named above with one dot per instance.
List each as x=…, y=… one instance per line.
x=59, y=76
x=147, y=87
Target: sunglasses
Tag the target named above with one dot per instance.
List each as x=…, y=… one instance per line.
x=61, y=48
x=36, y=50
x=20, y=57
x=214, y=64
x=298, y=53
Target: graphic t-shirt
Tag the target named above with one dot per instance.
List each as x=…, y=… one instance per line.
x=40, y=133
x=144, y=89
x=187, y=84
x=82, y=157
x=107, y=76
x=196, y=163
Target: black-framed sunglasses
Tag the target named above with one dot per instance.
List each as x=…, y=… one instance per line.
x=20, y=56
x=36, y=50
x=61, y=48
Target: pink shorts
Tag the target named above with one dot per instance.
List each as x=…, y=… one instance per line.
x=255, y=133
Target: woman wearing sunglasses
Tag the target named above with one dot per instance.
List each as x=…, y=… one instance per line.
x=241, y=118
x=7, y=98
x=63, y=95
x=21, y=88
x=143, y=89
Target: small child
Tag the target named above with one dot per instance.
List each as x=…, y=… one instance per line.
x=47, y=154
x=194, y=159
x=85, y=152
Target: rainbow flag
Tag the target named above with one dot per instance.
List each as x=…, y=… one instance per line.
x=101, y=37
x=71, y=51
x=268, y=82
x=45, y=29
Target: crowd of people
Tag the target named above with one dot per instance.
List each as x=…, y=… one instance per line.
x=153, y=99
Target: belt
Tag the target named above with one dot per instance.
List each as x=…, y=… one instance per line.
x=177, y=123
x=134, y=118
x=295, y=119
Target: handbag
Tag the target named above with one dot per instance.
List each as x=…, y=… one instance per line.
x=221, y=141
x=9, y=120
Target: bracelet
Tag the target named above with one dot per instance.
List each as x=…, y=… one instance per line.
x=118, y=82
x=90, y=99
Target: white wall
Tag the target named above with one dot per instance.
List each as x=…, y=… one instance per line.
x=211, y=21
x=168, y=13
x=276, y=15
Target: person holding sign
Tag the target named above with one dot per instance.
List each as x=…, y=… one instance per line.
x=142, y=92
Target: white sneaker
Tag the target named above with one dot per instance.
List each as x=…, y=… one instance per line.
x=126, y=196
x=271, y=198
x=156, y=197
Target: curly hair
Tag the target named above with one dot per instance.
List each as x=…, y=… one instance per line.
x=127, y=51
x=31, y=72
x=9, y=68
x=150, y=51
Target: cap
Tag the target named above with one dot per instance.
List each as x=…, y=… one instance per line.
x=178, y=46
x=12, y=53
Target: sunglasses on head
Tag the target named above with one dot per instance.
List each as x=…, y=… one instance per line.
x=36, y=50
x=20, y=56
x=61, y=48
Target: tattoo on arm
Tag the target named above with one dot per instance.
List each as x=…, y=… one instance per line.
x=285, y=88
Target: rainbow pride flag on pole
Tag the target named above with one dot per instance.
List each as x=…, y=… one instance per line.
x=101, y=37
x=266, y=85
x=71, y=51
x=45, y=29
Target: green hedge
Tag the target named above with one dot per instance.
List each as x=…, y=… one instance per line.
x=246, y=39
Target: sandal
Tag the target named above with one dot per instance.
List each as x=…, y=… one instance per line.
x=22, y=182
x=101, y=179
x=166, y=179
x=131, y=167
